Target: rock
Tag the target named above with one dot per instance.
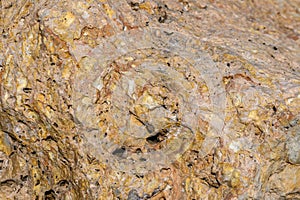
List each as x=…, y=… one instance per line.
x=133, y=195
x=285, y=183
x=293, y=147
x=147, y=99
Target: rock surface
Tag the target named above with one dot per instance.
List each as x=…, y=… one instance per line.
x=146, y=99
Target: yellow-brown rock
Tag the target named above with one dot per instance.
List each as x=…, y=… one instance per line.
x=150, y=99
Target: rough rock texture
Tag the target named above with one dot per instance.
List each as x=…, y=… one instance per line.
x=150, y=99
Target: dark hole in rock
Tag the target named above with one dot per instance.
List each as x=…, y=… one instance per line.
x=158, y=137
x=143, y=159
x=24, y=178
x=138, y=151
x=63, y=183
x=27, y=90
x=163, y=18
x=119, y=151
x=139, y=176
x=49, y=195
x=134, y=6
x=37, y=182
x=155, y=192
x=8, y=183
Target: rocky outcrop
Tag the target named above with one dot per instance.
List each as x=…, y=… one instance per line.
x=150, y=99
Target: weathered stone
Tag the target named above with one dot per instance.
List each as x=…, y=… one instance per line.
x=293, y=147
x=135, y=99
